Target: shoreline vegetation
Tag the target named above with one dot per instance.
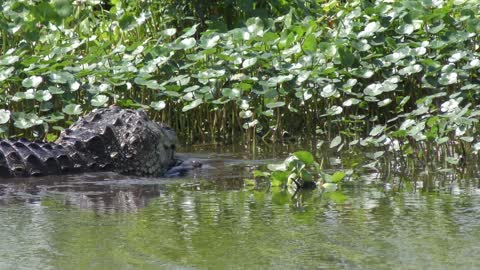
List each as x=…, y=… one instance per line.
x=398, y=78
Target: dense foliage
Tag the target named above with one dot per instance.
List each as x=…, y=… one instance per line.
x=399, y=75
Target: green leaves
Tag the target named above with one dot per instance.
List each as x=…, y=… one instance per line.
x=195, y=103
x=24, y=121
x=63, y=8
x=9, y=60
x=72, y=109
x=369, y=75
x=300, y=171
x=249, y=62
x=158, y=105
x=310, y=44
x=99, y=100
x=43, y=95
x=32, y=82
x=336, y=141
x=4, y=116
x=305, y=156
x=184, y=44
x=369, y=30
x=277, y=104
x=346, y=57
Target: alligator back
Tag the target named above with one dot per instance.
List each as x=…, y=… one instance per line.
x=113, y=139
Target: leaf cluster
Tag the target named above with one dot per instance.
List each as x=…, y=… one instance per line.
x=396, y=75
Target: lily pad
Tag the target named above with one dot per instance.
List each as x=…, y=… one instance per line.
x=99, y=100
x=335, y=142
x=249, y=62
x=195, y=103
x=158, y=105
x=32, y=82
x=72, y=109
x=4, y=116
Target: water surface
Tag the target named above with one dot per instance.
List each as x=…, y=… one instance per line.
x=210, y=220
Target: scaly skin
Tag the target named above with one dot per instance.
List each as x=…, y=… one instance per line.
x=109, y=139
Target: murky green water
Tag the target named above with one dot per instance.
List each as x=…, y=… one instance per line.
x=209, y=220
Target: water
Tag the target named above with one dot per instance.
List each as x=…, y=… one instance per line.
x=210, y=220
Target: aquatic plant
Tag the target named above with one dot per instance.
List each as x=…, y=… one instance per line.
x=300, y=171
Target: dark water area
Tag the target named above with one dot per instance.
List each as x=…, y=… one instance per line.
x=209, y=219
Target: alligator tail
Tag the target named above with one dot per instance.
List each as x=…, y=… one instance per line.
x=24, y=158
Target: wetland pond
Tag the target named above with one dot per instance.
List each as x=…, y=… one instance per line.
x=209, y=219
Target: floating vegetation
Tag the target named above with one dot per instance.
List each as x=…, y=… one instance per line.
x=298, y=173
x=400, y=77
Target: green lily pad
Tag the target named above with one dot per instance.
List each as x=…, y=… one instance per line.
x=158, y=105
x=231, y=93
x=336, y=141
x=190, y=31
x=6, y=73
x=195, y=103
x=99, y=100
x=61, y=77
x=369, y=30
x=4, y=116
x=210, y=42
x=25, y=121
x=277, y=104
x=448, y=78
x=168, y=32
x=249, y=62
x=334, y=110
x=328, y=91
x=373, y=89
x=32, y=82
x=9, y=60
x=72, y=109
x=43, y=95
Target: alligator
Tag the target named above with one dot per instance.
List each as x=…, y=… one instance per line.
x=107, y=139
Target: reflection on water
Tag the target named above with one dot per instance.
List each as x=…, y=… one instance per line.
x=209, y=220
x=106, y=192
